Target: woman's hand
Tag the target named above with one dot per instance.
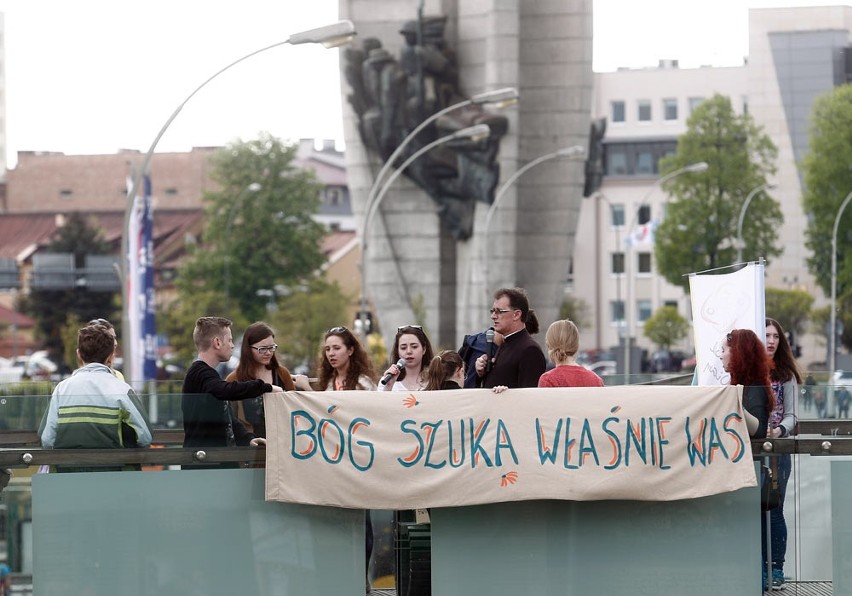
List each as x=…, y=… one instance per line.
x=302, y=383
x=258, y=442
x=393, y=370
x=499, y=388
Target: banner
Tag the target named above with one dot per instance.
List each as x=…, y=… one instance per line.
x=721, y=303
x=641, y=235
x=397, y=450
x=142, y=333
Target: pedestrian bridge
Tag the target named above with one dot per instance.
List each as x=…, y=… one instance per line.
x=169, y=531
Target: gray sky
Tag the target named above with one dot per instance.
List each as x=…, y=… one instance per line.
x=95, y=76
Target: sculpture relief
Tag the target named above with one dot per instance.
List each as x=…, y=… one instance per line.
x=391, y=97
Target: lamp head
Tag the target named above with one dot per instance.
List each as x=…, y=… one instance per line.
x=701, y=166
x=330, y=36
x=479, y=132
x=498, y=98
x=574, y=150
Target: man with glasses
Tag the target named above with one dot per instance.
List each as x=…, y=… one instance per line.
x=519, y=361
x=207, y=417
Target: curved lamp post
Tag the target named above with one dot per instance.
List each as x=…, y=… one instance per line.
x=741, y=219
x=474, y=133
x=498, y=98
x=700, y=166
x=833, y=317
x=575, y=151
x=329, y=36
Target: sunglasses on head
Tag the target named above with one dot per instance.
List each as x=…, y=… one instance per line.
x=336, y=330
x=404, y=327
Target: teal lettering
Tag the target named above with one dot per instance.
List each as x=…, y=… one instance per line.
x=434, y=426
x=587, y=444
x=415, y=456
x=544, y=452
x=616, y=444
x=311, y=446
x=504, y=441
x=353, y=428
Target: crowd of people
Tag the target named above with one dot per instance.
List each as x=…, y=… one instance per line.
x=96, y=408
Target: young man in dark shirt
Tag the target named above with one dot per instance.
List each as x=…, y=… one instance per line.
x=519, y=361
x=207, y=419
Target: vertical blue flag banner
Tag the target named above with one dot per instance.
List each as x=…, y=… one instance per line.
x=146, y=258
x=141, y=366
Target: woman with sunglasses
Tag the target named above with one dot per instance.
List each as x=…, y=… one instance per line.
x=258, y=361
x=411, y=345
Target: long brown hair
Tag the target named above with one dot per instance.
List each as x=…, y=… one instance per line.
x=441, y=368
x=749, y=363
x=784, y=362
x=359, y=361
x=424, y=341
x=245, y=370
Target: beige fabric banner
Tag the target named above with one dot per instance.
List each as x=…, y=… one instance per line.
x=364, y=449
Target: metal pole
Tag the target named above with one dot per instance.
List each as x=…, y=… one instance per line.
x=329, y=35
x=741, y=219
x=833, y=318
x=471, y=132
x=700, y=166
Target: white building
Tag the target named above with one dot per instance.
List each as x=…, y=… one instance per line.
x=795, y=55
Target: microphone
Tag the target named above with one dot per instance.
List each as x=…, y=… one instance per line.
x=489, y=339
x=399, y=364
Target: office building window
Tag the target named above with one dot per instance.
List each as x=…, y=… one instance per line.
x=644, y=110
x=617, y=263
x=745, y=104
x=616, y=311
x=643, y=214
x=616, y=163
x=672, y=303
x=644, y=162
x=617, y=214
x=643, y=262
x=694, y=102
x=670, y=108
x=618, y=111
x=643, y=310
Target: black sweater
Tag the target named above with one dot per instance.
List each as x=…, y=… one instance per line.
x=519, y=363
x=207, y=419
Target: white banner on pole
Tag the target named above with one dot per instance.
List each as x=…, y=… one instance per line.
x=721, y=303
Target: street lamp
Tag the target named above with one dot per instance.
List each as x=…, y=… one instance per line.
x=473, y=133
x=575, y=151
x=226, y=263
x=700, y=166
x=329, y=36
x=833, y=318
x=602, y=197
x=497, y=98
x=741, y=219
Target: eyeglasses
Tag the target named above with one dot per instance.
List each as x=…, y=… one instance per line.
x=404, y=327
x=501, y=311
x=265, y=349
x=336, y=330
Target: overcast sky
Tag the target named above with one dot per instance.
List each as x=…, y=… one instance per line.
x=95, y=76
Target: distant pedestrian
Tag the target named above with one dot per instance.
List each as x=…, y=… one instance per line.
x=843, y=398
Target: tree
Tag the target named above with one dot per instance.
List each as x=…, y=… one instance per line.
x=304, y=316
x=666, y=327
x=50, y=308
x=791, y=308
x=828, y=179
x=259, y=232
x=575, y=309
x=700, y=226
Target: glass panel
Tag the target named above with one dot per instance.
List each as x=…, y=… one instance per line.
x=618, y=111
x=188, y=532
x=644, y=110
x=618, y=215
x=670, y=109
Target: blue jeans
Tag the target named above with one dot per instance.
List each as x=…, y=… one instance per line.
x=777, y=523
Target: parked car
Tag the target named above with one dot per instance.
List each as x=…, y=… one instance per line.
x=843, y=377
x=603, y=368
x=10, y=372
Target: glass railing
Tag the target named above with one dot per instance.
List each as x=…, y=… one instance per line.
x=211, y=532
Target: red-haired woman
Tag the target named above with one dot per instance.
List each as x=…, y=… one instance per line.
x=744, y=357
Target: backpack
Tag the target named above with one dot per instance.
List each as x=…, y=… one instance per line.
x=473, y=346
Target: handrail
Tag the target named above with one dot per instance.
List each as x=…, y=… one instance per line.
x=21, y=457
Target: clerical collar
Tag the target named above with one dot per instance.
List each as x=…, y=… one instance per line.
x=513, y=333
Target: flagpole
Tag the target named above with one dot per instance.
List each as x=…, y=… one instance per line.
x=700, y=166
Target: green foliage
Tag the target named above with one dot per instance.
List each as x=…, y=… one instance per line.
x=666, y=327
x=577, y=310
x=50, y=308
x=700, y=225
x=828, y=179
x=177, y=321
x=259, y=232
x=303, y=317
x=791, y=308
x=69, y=333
